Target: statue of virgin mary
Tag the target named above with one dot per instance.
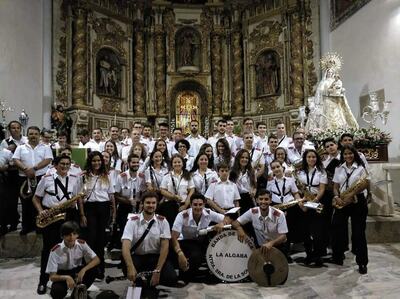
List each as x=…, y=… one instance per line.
x=330, y=100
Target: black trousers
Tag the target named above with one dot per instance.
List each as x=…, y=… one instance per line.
x=97, y=215
x=169, y=209
x=326, y=214
x=313, y=234
x=148, y=262
x=3, y=203
x=358, y=213
x=51, y=236
x=245, y=203
x=28, y=210
x=195, y=252
x=59, y=289
x=11, y=198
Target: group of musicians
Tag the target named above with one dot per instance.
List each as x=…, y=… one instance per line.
x=160, y=192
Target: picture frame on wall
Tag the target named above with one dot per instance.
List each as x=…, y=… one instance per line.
x=341, y=10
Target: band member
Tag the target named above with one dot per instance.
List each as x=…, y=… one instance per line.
x=125, y=137
x=147, y=139
x=202, y=175
x=350, y=180
x=139, y=149
x=283, y=139
x=248, y=126
x=283, y=190
x=195, y=139
x=182, y=146
x=32, y=160
x=176, y=188
x=296, y=151
x=61, y=140
x=96, y=143
x=176, y=136
x=224, y=153
x=71, y=262
x=127, y=191
x=281, y=156
x=312, y=180
x=189, y=247
x=269, y=152
x=209, y=151
x=145, y=244
x=155, y=172
x=243, y=175
x=221, y=134
x=127, y=149
x=99, y=204
x=223, y=194
x=269, y=223
x=262, y=136
x=114, y=136
x=111, y=148
x=233, y=140
x=84, y=138
x=12, y=192
x=52, y=191
x=74, y=169
x=45, y=137
x=256, y=154
x=160, y=145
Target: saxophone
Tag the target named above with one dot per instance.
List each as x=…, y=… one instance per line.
x=287, y=205
x=57, y=213
x=355, y=186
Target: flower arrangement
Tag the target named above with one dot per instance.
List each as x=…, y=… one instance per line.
x=363, y=137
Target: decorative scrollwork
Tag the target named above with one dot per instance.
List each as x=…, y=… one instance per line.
x=296, y=62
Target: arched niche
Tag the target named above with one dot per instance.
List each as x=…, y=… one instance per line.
x=188, y=49
x=109, y=77
x=268, y=74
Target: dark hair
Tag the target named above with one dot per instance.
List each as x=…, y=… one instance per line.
x=113, y=126
x=318, y=164
x=222, y=120
x=185, y=173
x=272, y=136
x=62, y=133
x=177, y=129
x=143, y=155
x=262, y=191
x=165, y=154
x=210, y=159
x=66, y=147
x=131, y=156
x=13, y=122
x=357, y=157
x=84, y=132
x=197, y=196
x=297, y=133
x=227, y=154
x=126, y=129
x=261, y=123
x=223, y=165
x=33, y=128
x=114, y=154
x=185, y=142
x=196, y=161
x=88, y=166
x=248, y=118
x=329, y=139
x=69, y=227
x=163, y=124
x=59, y=158
x=147, y=125
x=346, y=135
x=286, y=155
x=236, y=169
x=149, y=194
x=44, y=130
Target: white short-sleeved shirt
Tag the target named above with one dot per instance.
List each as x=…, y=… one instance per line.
x=346, y=176
x=182, y=185
x=75, y=169
x=51, y=193
x=295, y=156
x=30, y=157
x=154, y=176
x=288, y=169
x=266, y=228
x=285, y=141
x=243, y=182
x=282, y=190
x=151, y=244
x=129, y=186
x=149, y=142
x=4, y=143
x=187, y=226
x=64, y=258
x=257, y=157
x=99, y=188
x=202, y=182
x=312, y=179
x=268, y=157
x=5, y=157
x=95, y=146
x=189, y=162
x=195, y=144
x=223, y=193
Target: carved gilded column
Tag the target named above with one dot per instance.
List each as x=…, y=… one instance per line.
x=139, y=85
x=296, y=62
x=79, y=72
x=160, y=70
x=237, y=107
x=216, y=70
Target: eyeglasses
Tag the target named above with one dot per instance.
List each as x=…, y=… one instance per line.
x=182, y=146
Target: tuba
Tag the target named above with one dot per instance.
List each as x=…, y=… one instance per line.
x=28, y=188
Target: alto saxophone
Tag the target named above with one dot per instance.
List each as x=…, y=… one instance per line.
x=286, y=205
x=57, y=213
x=355, y=186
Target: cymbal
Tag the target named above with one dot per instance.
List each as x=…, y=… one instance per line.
x=270, y=269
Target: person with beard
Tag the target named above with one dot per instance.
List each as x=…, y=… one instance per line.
x=195, y=139
x=269, y=224
x=127, y=191
x=32, y=159
x=185, y=239
x=53, y=190
x=145, y=244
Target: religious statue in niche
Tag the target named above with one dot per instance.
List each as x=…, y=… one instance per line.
x=268, y=74
x=329, y=107
x=188, y=48
x=108, y=69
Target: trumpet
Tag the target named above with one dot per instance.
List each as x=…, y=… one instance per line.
x=28, y=187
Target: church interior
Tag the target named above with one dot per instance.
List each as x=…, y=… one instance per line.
x=103, y=63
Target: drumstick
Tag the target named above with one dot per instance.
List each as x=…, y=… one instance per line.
x=205, y=231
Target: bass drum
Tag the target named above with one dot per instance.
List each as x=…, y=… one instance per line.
x=227, y=257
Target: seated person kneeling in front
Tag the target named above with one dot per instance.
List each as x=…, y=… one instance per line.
x=148, y=253
x=185, y=238
x=65, y=262
x=269, y=223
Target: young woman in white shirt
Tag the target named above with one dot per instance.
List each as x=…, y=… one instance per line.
x=99, y=204
x=155, y=172
x=312, y=180
x=176, y=188
x=115, y=161
x=281, y=155
x=223, y=153
x=209, y=151
x=202, y=175
x=139, y=150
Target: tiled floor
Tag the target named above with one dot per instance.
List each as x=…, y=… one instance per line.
x=18, y=279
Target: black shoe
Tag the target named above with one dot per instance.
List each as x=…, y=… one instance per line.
x=362, y=269
x=41, y=289
x=319, y=262
x=335, y=261
x=3, y=231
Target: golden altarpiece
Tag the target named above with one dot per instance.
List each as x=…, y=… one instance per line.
x=118, y=61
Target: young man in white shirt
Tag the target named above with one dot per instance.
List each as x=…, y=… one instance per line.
x=96, y=143
x=195, y=139
x=283, y=139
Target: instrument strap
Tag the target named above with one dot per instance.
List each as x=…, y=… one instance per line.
x=174, y=184
x=279, y=193
x=280, y=141
x=138, y=242
x=153, y=177
x=205, y=181
x=64, y=189
x=310, y=183
x=346, y=182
